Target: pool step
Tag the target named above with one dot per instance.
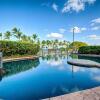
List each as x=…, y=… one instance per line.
x=83, y=62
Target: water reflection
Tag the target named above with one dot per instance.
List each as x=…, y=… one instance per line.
x=75, y=56
x=97, y=59
x=19, y=66
x=54, y=57
x=1, y=73
x=52, y=77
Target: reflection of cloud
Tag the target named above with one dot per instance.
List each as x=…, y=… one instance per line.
x=58, y=64
x=77, y=69
x=54, y=63
x=95, y=74
x=97, y=78
x=94, y=70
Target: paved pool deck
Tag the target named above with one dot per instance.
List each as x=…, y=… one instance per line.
x=20, y=58
x=89, y=94
x=83, y=62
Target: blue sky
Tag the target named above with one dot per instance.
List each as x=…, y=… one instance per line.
x=53, y=19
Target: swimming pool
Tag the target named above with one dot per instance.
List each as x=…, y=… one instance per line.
x=45, y=77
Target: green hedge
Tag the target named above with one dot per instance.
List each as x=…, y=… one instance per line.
x=10, y=48
x=89, y=50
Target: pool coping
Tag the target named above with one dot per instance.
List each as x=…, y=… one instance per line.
x=88, y=94
x=88, y=55
x=84, y=63
x=20, y=58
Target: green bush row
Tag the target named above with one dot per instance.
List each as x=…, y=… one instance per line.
x=89, y=50
x=10, y=48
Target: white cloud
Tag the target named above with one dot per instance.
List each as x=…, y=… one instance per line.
x=95, y=21
x=62, y=30
x=95, y=28
x=77, y=29
x=94, y=37
x=54, y=35
x=76, y=5
x=55, y=7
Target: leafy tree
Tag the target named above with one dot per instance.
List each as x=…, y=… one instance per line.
x=17, y=33
x=7, y=35
x=24, y=38
x=43, y=43
x=34, y=36
x=77, y=45
x=1, y=36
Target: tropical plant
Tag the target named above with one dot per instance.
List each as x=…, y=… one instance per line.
x=77, y=44
x=1, y=36
x=7, y=35
x=24, y=38
x=10, y=48
x=89, y=50
x=34, y=36
x=17, y=33
x=43, y=43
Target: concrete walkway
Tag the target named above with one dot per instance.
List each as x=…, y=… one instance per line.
x=83, y=62
x=90, y=94
x=20, y=58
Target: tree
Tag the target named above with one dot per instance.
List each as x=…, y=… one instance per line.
x=48, y=42
x=7, y=35
x=24, y=38
x=76, y=45
x=1, y=36
x=43, y=43
x=17, y=33
x=34, y=36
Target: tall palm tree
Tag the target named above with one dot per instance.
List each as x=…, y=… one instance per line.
x=7, y=35
x=43, y=43
x=48, y=42
x=29, y=39
x=34, y=36
x=17, y=33
x=24, y=38
x=1, y=36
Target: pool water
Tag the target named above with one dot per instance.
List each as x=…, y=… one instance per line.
x=45, y=77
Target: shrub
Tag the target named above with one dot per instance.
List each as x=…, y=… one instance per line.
x=10, y=48
x=89, y=50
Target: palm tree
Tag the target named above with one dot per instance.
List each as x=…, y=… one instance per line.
x=56, y=43
x=17, y=33
x=48, y=42
x=43, y=43
x=7, y=35
x=29, y=39
x=34, y=36
x=24, y=38
x=38, y=41
x=1, y=36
